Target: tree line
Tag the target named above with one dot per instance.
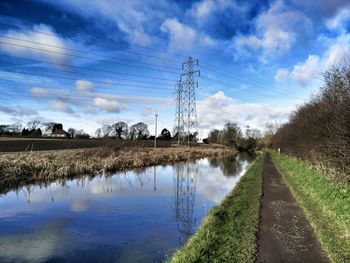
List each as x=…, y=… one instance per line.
x=122, y=131
x=319, y=131
x=232, y=135
x=118, y=130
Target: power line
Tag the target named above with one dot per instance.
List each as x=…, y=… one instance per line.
x=164, y=91
x=98, y=70
x=78, y=56
x=231, y=75
x=139, y=85
x=250, y=83
x=89, y=95
x=77, y=50
x=106, y=47
x=223, y=71
x=113, y=86
x=124, y=84
x=40, y=69
x=257, y=92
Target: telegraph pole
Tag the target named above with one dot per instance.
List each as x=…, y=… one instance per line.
x=155, y=133
x=185, y=101
x=154, y=178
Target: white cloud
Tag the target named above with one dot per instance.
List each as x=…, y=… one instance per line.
x=276, y=32
x=52, y=93
x=130, y=16
x=281, y=74
x=108, y=105
x=323, y=9
x=61, y=106
x=338, y=52
x=181, y=36
x=84, y=85
x=215, y=110
x=304, y=72
x=337, y=21
x=202, y=9
x=136, y=35
x=206, y=40
x=17, y=110
x=26, y=43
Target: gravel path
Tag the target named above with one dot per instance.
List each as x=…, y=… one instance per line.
x=284, y=234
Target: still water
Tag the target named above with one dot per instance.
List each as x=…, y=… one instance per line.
x=136, y=216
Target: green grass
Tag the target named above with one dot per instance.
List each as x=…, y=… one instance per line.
x=228, y=233
x=325, y=202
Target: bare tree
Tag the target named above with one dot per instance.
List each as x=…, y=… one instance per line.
x=319, y=130
x=33, y=125
x=253, y=133
x=98, y=133
x=81, y=134
x=106, y=130
x=48, y=126
x=120, y=129
x=72, y=132
x=138, y=131
x=272, y=127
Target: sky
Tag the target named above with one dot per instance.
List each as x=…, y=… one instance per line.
x=89, y=63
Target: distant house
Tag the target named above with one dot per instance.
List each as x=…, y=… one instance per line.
x=60, y=134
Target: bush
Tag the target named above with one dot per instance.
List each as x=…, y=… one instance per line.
x=319, y=131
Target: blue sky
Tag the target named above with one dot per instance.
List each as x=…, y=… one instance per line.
x=89, y=63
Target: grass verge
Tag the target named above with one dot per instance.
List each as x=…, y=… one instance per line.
x=325, y=202
x=228, y=233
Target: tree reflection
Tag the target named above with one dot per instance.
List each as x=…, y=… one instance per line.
x=232, y=165
x=185, y=182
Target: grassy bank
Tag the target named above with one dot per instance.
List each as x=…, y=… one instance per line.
x=29, y=167
x=228, y=233
x=325, y=203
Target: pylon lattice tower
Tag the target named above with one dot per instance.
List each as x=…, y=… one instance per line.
x=185, y=184
x=186, y=124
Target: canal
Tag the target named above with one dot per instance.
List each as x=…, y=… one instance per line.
x=135, y=216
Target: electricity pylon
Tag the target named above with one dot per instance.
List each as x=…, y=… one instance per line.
x=186, y=124
x=185, y=183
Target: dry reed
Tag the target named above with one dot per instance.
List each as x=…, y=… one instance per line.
x=28, y=167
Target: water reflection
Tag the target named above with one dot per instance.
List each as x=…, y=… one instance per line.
x=232, y=165
x=135, y=216
x=185, y=183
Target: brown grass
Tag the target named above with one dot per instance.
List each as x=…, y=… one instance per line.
x=20, y=144
x=28, y=167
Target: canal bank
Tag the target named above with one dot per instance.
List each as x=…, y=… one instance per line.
x=23, y=168
x=228, y=233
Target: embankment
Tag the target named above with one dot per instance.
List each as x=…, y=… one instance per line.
x=22, y=168
x=228, y=233
x=325, y=202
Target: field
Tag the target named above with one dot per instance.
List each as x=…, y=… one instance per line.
x=9, y=144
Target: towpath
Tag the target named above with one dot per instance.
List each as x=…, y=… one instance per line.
x=284, y=234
